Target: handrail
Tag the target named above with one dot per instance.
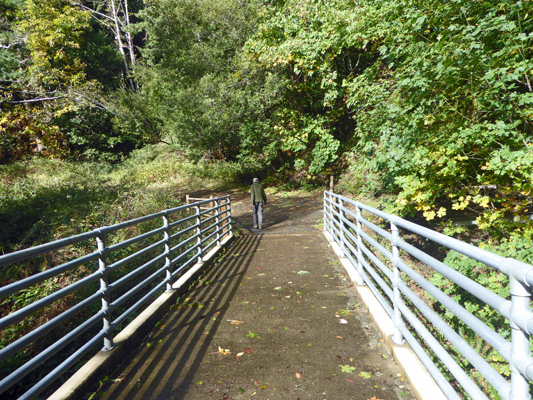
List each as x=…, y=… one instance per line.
x=160, y=261
x=383, y=271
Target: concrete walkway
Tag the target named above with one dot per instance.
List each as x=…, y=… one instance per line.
x=275, y=318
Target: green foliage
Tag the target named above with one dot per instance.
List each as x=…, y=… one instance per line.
x=64, y=66
x=194, y=90
x=308, y=44
x=445, y=112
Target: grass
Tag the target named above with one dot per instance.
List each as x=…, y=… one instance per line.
x=42, y=200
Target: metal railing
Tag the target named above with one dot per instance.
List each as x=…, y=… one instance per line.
x=356, y=236
x=165, y=253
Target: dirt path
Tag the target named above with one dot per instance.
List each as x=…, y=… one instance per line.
x=275, y=304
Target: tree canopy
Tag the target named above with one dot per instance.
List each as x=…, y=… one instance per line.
x=430, y=100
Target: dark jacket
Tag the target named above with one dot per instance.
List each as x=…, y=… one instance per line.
x=258, y=193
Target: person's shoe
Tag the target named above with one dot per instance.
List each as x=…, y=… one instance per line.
x=255, y=227
x=260, y=227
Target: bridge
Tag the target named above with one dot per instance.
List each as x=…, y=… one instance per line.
x=327, y=302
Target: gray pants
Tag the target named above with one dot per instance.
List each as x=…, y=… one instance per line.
x=258, y=214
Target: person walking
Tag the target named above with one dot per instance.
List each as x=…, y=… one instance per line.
x=259, y=200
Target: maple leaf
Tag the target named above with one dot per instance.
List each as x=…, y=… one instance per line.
x=348, y=369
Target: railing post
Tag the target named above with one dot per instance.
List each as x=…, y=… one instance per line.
x=217, y=219
x=397, y=337
x=330, y=221
x=102, y=268
x=229, y=214
x=341, y=227
x=325, y=214
x=167, y=252
x=520, y=305
x=360, y=280
x=199, y=233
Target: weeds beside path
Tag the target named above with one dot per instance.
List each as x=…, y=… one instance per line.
x=264, y=322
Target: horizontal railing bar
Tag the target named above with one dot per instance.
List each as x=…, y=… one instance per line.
x=183, y=266
x=208, y=228
x=126, y=224
x=208, y=237
x=138, y=304
x=209, y=219
x=44, y=248
x=135, y=255
x=146, y=218
x=224, y=219
x=383, y=268
x=119, y=282
x=491, y=337
x=190, y=228
x=492, y=299
x=117, y=302
x=185, y=253
x=32, y=280
x=39, y=304
x=378, y=246
x=205, y=248
x=522, y=271
x=205, y=212
x=24, y=370
x=222, y=234
x=48, y=326
x=492, y=376
x=175, y=223
x=462, y=377
x=181, y=244
x=61, y=368
x=437, y=375
x=376, y=228
x=136, y=239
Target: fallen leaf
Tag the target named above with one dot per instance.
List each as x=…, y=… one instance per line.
x=348, y=369
x=349, y=380
x=248, y=350
x=240, y=354
x=277, y=288
x=339, y=337
x=235, y=322
x=365, y=375
x=343, y=321
x=263, y=387
x=298, y=375
x=302, y=272
x=224, y=351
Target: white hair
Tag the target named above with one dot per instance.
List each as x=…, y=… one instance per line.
x=256, y=180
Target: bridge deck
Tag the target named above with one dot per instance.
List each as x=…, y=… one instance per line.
x=275, y=301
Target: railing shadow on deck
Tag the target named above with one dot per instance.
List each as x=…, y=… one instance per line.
x=185, y=343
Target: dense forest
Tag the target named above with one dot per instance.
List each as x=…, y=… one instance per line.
x=428, y=101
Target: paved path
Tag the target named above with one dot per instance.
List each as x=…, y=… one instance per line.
x=274, y=304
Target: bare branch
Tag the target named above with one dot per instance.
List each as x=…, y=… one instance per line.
x=93, y=11
x=32, y=100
